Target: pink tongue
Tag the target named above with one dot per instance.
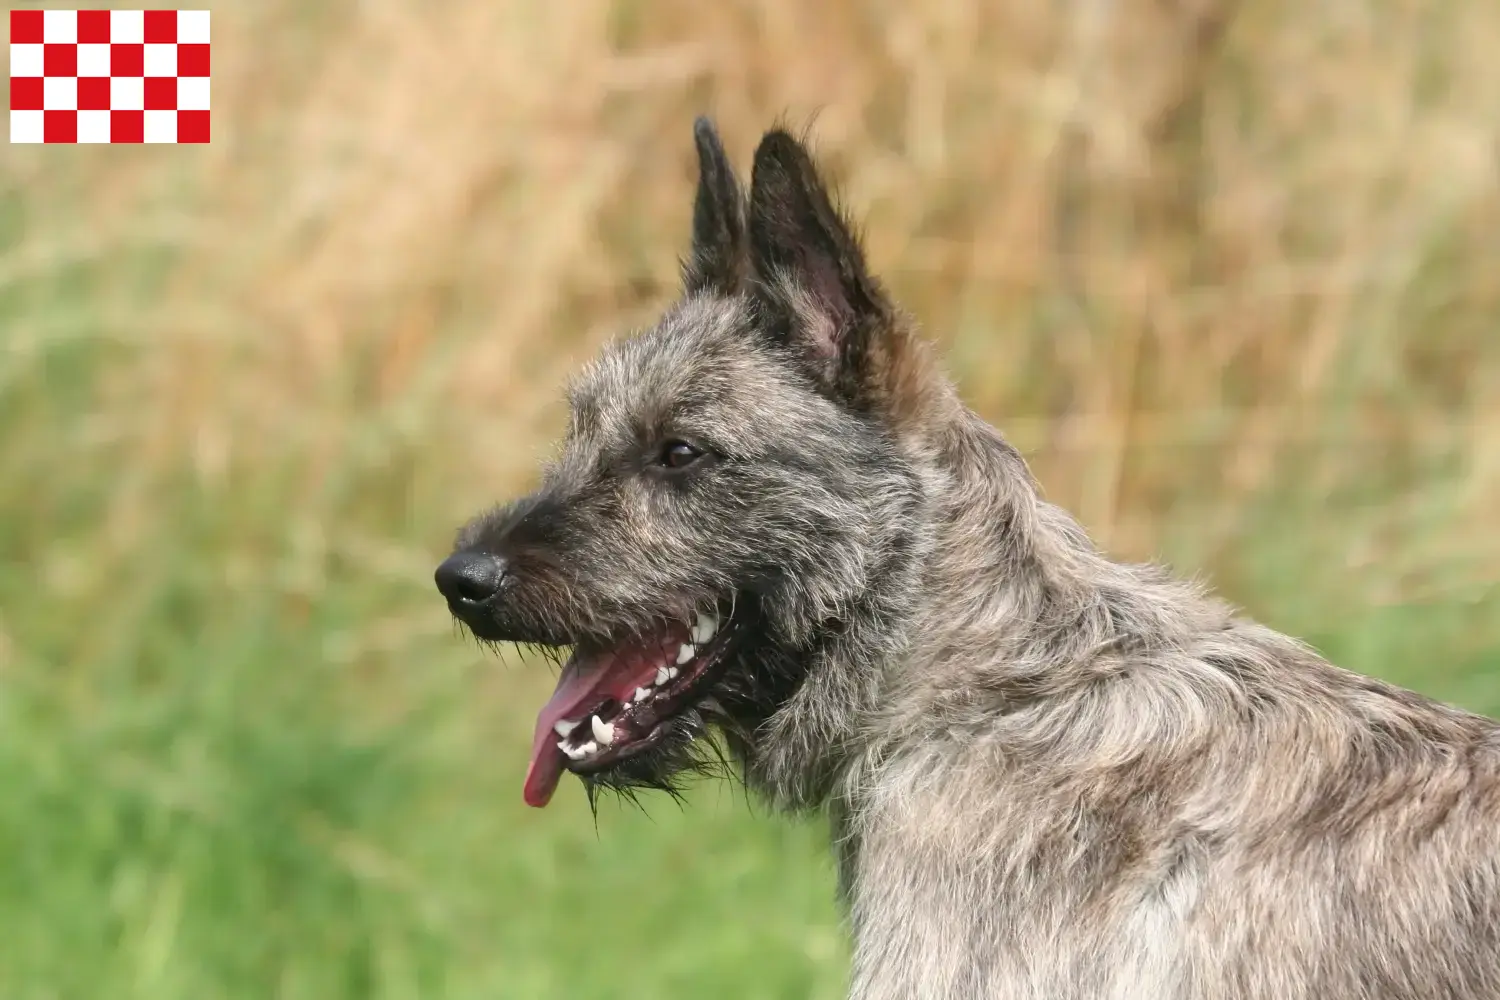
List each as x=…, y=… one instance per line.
x=583, y=686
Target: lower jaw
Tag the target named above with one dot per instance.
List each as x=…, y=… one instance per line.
x=669, y=725
x=602, y=762
x=689, y=702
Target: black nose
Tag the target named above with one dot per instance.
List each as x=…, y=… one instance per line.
x=468, y=579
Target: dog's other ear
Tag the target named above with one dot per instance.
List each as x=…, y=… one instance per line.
x=807, y=262
x=717, y=262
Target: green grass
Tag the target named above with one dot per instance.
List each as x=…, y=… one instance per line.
x=222, y=801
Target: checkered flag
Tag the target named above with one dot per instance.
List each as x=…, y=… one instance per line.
x=109, y=76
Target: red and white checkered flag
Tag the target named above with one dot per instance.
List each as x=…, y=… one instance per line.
x=109, y=76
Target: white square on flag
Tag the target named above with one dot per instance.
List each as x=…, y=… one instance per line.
x=93, y=126
x=107, y=76
x=93, y=60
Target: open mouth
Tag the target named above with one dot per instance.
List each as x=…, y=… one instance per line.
x=613, y=701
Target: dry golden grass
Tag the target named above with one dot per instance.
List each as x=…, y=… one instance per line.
x=1173, y=246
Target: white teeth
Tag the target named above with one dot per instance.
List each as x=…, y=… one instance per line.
x=687, y=652
x=705, y=628
x=604, y=732
x=662, y=675
x=564, y=727
x=576, y=754
x=641, y=694
x=588, y=748
x=671, y=673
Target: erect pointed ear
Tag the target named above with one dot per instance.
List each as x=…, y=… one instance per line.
x=806, y=260
x=718, y=260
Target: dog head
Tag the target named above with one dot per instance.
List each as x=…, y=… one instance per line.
x=730, y=489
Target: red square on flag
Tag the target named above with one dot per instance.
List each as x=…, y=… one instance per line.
x=127, y=60
x=93, y=93
x=26, y=27
x=93, y=27
x=109, y=76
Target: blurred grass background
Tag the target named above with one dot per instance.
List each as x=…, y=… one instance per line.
x=1229, y=273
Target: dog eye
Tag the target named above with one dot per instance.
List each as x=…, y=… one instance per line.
x=679, y=454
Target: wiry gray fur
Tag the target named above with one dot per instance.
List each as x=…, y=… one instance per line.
x=1052, y=776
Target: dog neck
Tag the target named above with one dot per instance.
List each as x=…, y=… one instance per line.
x=1058, y=613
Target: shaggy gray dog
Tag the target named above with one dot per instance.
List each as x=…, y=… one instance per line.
x=776, y=533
